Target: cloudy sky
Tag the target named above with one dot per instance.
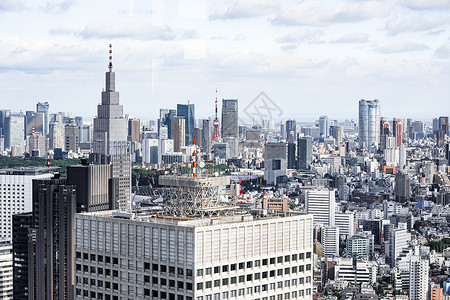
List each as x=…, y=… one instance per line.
x=309, y=57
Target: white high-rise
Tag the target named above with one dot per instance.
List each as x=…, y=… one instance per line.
x=110, y=139
x=398, y=241
x=192, y=258
x=330, y=241
x=418, y=278
x=321, y=204
x=369, y=127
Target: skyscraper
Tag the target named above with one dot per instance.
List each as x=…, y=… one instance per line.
x=42, y=107
x=188, y=112
x=206, y=136
x=443, y=124
x=418, y=278
x=322, y=205
x=134, y=130
x=398, y=132
x=330, y=241
x=110, y=138
x=324, y=126
x=178, y=133
x=230, y=126
x=165, y=120
x=291, y=131
x=14, y=131
x=304, y=153
x=369, y=118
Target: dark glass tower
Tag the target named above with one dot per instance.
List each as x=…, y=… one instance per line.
x=188, y=112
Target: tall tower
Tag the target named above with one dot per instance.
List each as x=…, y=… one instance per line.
x=216, y=130
x=369, y=120
x=110, y=138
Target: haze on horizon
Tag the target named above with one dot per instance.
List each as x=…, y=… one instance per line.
x=311, y=58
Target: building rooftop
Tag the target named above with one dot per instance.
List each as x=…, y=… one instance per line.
x=29, y=171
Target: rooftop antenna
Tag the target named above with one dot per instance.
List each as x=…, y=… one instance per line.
x=110, y=65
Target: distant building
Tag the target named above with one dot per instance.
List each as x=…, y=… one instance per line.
x=71, y=142
x=134, y=130
x=178, y=133
x=324, y=126
x=188, y=112
x=280, y=204
x=418, y=278
x=291, y=131
x=230, y=125
x=369, y=118
x=402, y=187
x=14, y=131
x=206, y=136
x=275, y=159
x=330, y=241
x=304, y=153
x=321, y=204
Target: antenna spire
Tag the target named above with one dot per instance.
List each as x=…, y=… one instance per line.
x=110, y=65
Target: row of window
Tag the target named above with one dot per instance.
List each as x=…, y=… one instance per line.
x=253, y=264
x=249, y=291
x=264, y=287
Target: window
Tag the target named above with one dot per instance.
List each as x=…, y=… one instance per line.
x=264, y=262
x=279, y=284
x=257, y=289
x=257, y=276
x=272, y=260
x=302, y=268
x=241, y=266
x=308, y=254
x=233, y=280
x=188, y=272
x=294, y=256
x=172, y=283
x=279, y=259
x=272, y=286
x=287, y=258
x=225, y=268
x=308, y=267
x=287, y=283
x=208, y=271
x=264, y=287
x=249, y=277
x=225, y=295
x=272, y=273
x=216, y=282
x=154, y=280
x=171, y=270
x=217, y=296
x=264, y=274
x=257, y=263
x=216, y=270
x=208, y=284
x=249, y=264
x=241, y=278
x=154, y=266
x=233, y=267
x=233, y=293
x=163, y=281
x=279, y=272
x=302, y=255
x=180, y=271
x=287, y=270
x=241, y=292
x=163, y=268
x=225, y=281
x=249, y=290
x=200, y=286
x=180, y=284
x=294, y=281
x=199, y=272
x=294, y=269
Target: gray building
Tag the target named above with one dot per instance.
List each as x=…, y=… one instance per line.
x=14, y=131
x=402, y=187
x=178, y=133
x=291, y=131
x=71, y=138
x=324, y=126
x=188, y=112
x=230, y=125
x=206, y=136
x=110, y=138
x=42, y=107
x=369, y=120
x=304, y=153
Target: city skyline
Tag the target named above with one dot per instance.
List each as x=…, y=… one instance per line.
x=179, y=51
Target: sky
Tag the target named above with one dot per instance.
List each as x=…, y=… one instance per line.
x=307, y=58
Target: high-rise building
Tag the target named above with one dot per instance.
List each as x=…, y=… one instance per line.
x=397, y=242
x=96, y=189
x=110, y=139
x=165, y=120
x=230, y=125
x=178, y=133
x=330, y=241
x=16, y=196
x=398, y=132
x=42, y=107
x=304, y=153
x=14, y=131
x=443, y=124
x=186, y=258
x=56, y=135
x=206, y=136
x=188, y=112
x=275, y=159
x=71, y=142
x=34, y=123
x=369, y=118
x=198, y=134
x=345, y=222
x=22, y=224
x=50, y=244
x=360, y=246
x=402, y=187
x=134, y=130
x=418, y=278
x=6, y=270
x=292, y=156
x=324, y=126
x=291, y=131
x=321, y=204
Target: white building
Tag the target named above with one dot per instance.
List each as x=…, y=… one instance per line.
x=190, y=258
x=150, y=151
x=16, y=194
x=418, y=278
x=330, y=241
x=321, y=204
x=346, y=269
x=345, y=222
x=6, y=271
x=397, y=242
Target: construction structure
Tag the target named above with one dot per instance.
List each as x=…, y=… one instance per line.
x=196, y=196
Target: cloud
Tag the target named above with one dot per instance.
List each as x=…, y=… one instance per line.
x=395, y=26
x=426, y=4
x=61, y=31
x=402, y=47
x=240, y=9
x=58, y=7
x=134, y=28
x=355, y=37
x=309, y=13
x=11, y=5
x=312, y=36
x=443, y=51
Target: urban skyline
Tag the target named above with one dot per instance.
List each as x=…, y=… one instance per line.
x=398, y=54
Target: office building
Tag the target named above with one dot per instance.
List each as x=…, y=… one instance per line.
x=292, y=156
x=397, y=242
x=418, y=278
x=206, y=136
x=198, y=134
x=330, y=241
x=291, y=131
x=50, y=241
x=178, y=133
x=16, y=194
x=42, y=107
x=188, y=112
x=221, y=150
x=134, y=130
x=360, y=246
x=192, y=258
x=34, y=123
x=56, y=135
x=96, y=189
x=443, y=125
x=150, y=151
x=230, y=125
x=14, y=132
x=345, y=222
x=36, y=145
x=275, y=159
x=165, y=120
x=398, y=132
x=369, y=118
x=304, y=153
x=6, y=270
x=22, y=224
x=110, y=139
x=71, y=142
x=402, y=187
x=321, y=204
x=324, y=126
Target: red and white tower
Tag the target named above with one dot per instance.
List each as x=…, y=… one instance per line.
x=216, y=130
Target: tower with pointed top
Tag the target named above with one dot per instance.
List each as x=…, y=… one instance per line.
x=110, y=144
x=216, y=130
